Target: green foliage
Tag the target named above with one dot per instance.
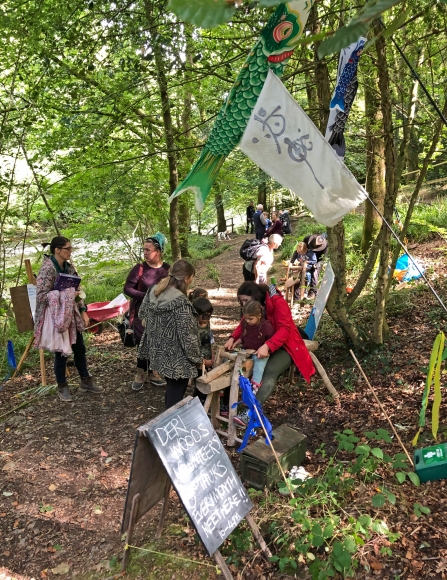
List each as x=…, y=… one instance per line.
x=420, y=510
x=203, y=13
x=325, y=535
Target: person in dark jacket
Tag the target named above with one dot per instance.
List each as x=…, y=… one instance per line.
x=259, y=221
x=318, y=244
x=250, y=214
x=140, y=279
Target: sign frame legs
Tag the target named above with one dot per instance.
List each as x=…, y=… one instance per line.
x=129, y=535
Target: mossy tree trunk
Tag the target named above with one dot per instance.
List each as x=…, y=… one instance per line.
x=380, y=326
x=375, y=163
x=336, y=304
x=160, y=66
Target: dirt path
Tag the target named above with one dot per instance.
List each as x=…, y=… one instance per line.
x=64, y=468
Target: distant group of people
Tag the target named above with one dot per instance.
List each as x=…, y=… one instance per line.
x=172, y=328
x=259, y=223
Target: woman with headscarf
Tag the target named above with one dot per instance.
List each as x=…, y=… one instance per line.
x=141, y=278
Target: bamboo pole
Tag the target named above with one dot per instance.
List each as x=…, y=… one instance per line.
x=382, y=408
x=273, y=451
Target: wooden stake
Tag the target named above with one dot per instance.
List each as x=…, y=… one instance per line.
x=382, y=408
x=222, y=565
x=330, y=387
x=43, y=373
x=23, y=357
x=164, y=510
x=257, y=534
x=132, y=518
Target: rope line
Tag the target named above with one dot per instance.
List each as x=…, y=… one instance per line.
x=127, y=546
x=404, y=248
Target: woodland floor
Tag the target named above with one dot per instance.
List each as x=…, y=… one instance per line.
x=64, y=467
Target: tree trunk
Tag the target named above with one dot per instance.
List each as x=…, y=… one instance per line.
x=186, y=139
x=375, y=166
x=380, y=327
x=218, y=202
x=168, y=129
x=408, y=130
x=336, y=304
x=321, y=75
x=262, y=188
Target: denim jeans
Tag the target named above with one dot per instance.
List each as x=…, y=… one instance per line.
x=60, y=361
x=258, y=368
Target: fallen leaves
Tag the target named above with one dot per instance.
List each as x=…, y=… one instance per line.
x=9, y=466
x=52, y=487
x=63, y=568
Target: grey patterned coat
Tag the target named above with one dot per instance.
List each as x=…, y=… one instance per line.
x=171, y=338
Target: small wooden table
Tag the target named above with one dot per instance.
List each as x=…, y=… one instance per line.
x=290, y=288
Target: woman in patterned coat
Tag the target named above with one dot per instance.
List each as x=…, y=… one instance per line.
x=171, y=337
x=54, y=264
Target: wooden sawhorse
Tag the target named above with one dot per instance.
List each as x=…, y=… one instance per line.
x=225, y=375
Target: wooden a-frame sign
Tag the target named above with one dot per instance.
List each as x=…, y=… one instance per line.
x=180, y=448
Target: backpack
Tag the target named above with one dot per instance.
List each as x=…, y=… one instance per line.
x=249, y=249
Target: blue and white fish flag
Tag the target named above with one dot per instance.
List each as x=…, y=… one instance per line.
x=282, y=140
x=251, y=401
x=344, y=95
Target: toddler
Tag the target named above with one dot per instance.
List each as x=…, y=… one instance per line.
x=204, y=309
x=303, y=254
x=197, y=293
x=255, y=332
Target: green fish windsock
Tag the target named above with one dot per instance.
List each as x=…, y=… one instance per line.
x=272, y=50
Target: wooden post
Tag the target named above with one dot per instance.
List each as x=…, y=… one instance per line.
x=234, y=390
x=303, y=280
x=164, y=510
x=23, y=357
x=31, y=280
x=320, y=370
x=257, y=534
x=133, y=515
x=223, y=565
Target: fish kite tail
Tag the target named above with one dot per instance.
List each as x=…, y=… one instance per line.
x=338, y=101
x=201, y=177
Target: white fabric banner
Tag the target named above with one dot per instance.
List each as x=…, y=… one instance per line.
x=282, y=140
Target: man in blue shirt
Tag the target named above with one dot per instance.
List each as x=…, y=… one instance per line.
x=259, y=221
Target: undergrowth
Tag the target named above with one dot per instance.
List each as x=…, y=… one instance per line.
x=334, y=523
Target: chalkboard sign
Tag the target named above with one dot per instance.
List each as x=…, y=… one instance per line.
x=200, y=470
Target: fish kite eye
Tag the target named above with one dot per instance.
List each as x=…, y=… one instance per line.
x=282, y=31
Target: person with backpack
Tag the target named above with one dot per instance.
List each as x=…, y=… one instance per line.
x=258, y=258
x=142, y=277
x=259, y=221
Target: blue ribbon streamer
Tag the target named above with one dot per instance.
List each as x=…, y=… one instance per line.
x=252, y=402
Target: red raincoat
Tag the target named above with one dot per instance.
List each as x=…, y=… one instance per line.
x=286, y=334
